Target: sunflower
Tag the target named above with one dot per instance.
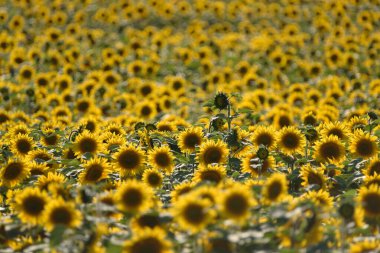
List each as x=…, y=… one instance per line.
x=161, y=158
x=129, y=160
x=365, y=246
x=212, y=152
x=95, y=170
x=363, y=144
x=369, y=180
x=14, y=172
x=145, y=221
x=148, y=241
x=60, y=212
x=51, y=178
x=264, y=135
x=372, y=167
x=211, y=172
x=275, y=188
x=21, y=144
x=290, y=141
x=369, y=200
x=192, y=213
x=146, y=110
x=87, y=142
x=107, y=198
x=37, y=169
x=256, y=166
x=312, y=176
x=235, y=202
x=339, y=129
x=329, y=149
x=133, y=196
x=189, y=139
x=30, y=204
x=321, y=198
x=181, y=190
x=153, y=178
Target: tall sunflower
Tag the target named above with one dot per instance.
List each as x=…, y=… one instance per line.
x=329, y=149
x=129, y=160
x=60, y=212
x=363, y=144
x=161, y=158
x=212, y=152
x=30, y=204
x=290, y=140
x=133, y=196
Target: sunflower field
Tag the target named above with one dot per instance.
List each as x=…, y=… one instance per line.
x=189, y=126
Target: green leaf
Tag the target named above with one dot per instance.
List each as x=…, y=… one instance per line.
x=56, y=236
x=112, y=248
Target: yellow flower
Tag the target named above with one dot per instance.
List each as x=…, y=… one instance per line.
x=329, y=149
x=192, y=213
x=149, y=240
x=363, y=144
x=129, y=160
x=133, y=196
x=275, y=188
x=29, y=205
x=291, y=141
x=13, y=172
x=60, y=212
x=189, y=139
x=161, y=158
x=95, y=170
x=235, y=203
x=212, y=152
